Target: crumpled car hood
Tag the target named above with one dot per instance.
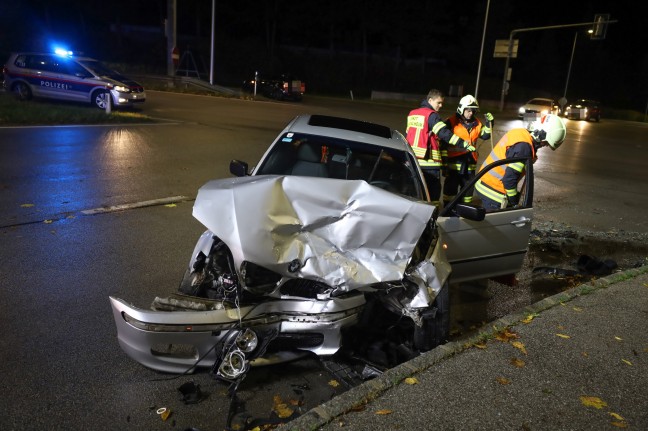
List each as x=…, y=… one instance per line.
x=344, y=233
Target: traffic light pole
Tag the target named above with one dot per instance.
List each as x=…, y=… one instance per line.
x=521, y=30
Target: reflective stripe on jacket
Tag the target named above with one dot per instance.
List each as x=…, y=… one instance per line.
x=459, y=129
x=421, y=139
x=491, y=184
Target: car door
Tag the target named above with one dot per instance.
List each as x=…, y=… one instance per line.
x=494, y=246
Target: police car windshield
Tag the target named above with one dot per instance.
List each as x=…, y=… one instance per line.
x=98, y=68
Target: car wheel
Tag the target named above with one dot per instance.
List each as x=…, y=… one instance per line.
x=100, y=99
x=436, y=323
x=598, y=118
x=22, y=91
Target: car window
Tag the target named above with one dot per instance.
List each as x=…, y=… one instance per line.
x=312, y=155
x=98, y=68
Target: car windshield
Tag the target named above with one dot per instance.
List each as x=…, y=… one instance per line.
x=321, y=156
x=539, y=102
x=99, y=68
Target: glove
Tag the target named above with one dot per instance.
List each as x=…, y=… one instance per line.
x=513, y=200
x=469, y=146
x=489, y=119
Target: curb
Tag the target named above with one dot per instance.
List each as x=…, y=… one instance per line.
x=372, y=389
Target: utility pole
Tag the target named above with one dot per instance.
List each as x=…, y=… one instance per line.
x=481, y=52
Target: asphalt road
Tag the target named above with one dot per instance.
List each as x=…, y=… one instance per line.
x=61, y=365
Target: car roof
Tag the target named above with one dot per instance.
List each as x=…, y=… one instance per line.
x=347, y=128
x=74, y=57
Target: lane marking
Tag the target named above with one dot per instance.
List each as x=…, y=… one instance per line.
x=142, y=204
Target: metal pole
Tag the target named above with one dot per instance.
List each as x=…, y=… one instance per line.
x=571, y=59
x=481, y=52
x=213, y=30
x=506, y=67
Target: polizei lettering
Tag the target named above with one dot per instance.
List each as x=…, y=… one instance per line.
x=57, y=85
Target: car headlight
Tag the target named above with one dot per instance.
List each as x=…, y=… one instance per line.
x=122, y=89
x=521, y=110
x=544, y=112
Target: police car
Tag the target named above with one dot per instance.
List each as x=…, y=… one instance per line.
x=67, y=77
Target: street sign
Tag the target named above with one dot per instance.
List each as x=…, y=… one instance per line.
x=502, y=47
x=600, y=25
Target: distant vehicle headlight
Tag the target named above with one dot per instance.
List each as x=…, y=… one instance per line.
x=544, y=112
x=122, y=89
x=521, y=110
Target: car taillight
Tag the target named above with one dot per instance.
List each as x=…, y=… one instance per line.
x=285, y=86
x=303, y=87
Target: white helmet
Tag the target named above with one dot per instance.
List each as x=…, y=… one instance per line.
x=467, y=102
x=551, y=128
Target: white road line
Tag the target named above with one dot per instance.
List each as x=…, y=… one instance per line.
x=122, y=207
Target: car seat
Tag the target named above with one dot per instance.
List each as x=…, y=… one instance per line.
x=308, y=162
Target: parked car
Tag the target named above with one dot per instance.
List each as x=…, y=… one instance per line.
x=282, y=87
x=330, y=236
x=584, y=109
x=68, y=77
x=537, y=107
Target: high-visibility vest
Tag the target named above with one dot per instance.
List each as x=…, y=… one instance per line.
x=424, y=143
x=493, y=179
x=459, y=130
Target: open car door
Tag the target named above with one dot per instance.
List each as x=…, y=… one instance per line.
x=495, y=245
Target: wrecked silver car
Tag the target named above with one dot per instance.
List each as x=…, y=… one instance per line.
x=329, y=240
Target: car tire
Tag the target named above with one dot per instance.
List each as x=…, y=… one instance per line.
x=99, y=99
x=22, y=91
x=436, y=323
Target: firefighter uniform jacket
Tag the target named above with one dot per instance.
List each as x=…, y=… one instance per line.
x=468, y=131
x=501, y=182
x=422, y=139
x=425, y=132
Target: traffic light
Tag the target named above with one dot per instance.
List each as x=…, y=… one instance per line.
x=600, y=25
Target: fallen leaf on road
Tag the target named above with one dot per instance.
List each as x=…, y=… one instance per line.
x=595, y=402
x=619, y=424
x=529, y=318
x=26, y=205
x=616, y=416
x=585, y=354
x=518, y=362
x=480, y=345
x=563, y=336
x=170, y=205
x=384, y=412
x=506, y=335
x=518, y=345
x=280, y=408
x=334, y=383
x=577, y=309
x=618, y=338
x=47, y=221
x=503, y=381
x=627, y=362
x=411, y=381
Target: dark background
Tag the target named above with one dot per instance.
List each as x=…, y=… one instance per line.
x=338, y=46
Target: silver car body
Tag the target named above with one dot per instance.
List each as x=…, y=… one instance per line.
x=348, y=235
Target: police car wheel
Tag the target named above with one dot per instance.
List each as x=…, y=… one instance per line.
x=22, y=91
x=99, y=99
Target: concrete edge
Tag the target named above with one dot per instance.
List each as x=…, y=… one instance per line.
x=372, y=389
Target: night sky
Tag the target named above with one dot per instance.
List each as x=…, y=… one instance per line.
x=338, y=45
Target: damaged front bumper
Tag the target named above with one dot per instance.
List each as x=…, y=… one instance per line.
x=180, y=341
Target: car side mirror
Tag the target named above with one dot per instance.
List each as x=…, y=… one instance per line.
x=470, y=213
x=239, y=168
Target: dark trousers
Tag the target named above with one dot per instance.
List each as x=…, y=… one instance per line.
x=433, y=181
